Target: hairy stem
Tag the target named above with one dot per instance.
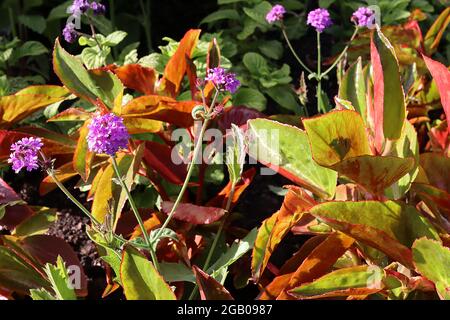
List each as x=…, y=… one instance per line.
x=341, y=55
x=283, y=30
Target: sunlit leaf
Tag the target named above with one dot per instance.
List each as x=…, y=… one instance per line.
x=209, y=288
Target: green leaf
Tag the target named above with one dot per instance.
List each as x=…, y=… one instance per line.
x=389, y=99
x=286, y=149
x=237, y=250
x=432, y=260
x=59, y=278
x=38, y=223
x=235, y=154
x=251, y=98
x=94, y=58
x=41, y=294
x=29, y=48
x=176, y=272
x=259, y=12
x=73, y=75
x=113, y=39
x=389, y=226
x=272, y=49
x=255, y=63
x=360, y=280
x=336, y=136
x=285, y=97
x=224, y=14
x=140, y=279
x=405, y=147
x=353, y=88
x=34, y=22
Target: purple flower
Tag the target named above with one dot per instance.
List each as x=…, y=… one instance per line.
x=69, y=32
x=223, y=80
x=98, y=8
x=276, y=13
x=24, y=154
x=79, y=7
x=319, y=19
x=363, y=17
x=107, y=134
x=231, y=83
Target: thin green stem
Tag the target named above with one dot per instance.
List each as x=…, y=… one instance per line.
x=283, y=30
x=197, y=149
x=216, y=238
x=136, y=212
x=319, y=76
x=342, y=53
x=71, y=197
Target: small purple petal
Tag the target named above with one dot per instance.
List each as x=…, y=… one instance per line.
x=223, y=80
x=69, y=33
x=98, y=8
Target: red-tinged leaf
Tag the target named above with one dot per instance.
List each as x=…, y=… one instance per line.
x=193, y=214
x=82, y=158
x=137, y=77
x=209, y=288
x=320, y=260
x=63, y=173
x=436, y=31
x=191, y=72
x=221, y=198
x=176, y=67
x=337, y=136
x=437, y=168
x=280, y=282
x=359, y=280
x=375, y=173
x=389, y=100
x=160, y=108
x=433, y=197
x=127, y=222
x=71, y=114
x=15, y=214
x=286, y=149
x=159, y=157
x=107, y=189
x=440, y=137
x=238, y=116
x=275, y=228
x=441, y=76
x=432, y=260
x=389, y=226
x=213, y=56
x=46, y=249
x=15, y=108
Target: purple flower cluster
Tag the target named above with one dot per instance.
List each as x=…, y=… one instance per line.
x=223, y=80
x=69, y=32
x=319, y=19
x=107, y=134
x=24, y=154
x=276, y=13
x=363, y=17
x=78, y=8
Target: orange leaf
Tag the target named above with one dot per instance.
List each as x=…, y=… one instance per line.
x=137, y=77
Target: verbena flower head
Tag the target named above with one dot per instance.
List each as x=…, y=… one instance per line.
x=98, y=8
x=223, y=80
x=107, y=134
x=24, y=154
x=363, y=17
x=276, y=13
x=69, y=32
x=79, y=7
x=319, y=19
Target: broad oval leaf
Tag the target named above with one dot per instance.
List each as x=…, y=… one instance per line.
x=353, y=88
x=193, y=214
x=389, y=226
x=140, y=279
x=286, y=150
